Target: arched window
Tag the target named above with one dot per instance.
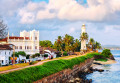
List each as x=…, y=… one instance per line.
x=35, y=38
x=35, y=47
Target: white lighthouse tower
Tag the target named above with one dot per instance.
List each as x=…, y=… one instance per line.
x=83, y=41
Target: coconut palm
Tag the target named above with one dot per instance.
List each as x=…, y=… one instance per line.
x=97, y=45
x=84, y=36
x=92, y=42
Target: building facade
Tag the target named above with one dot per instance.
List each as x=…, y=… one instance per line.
x=6, y=51
x=27, y=42
x=83, y=42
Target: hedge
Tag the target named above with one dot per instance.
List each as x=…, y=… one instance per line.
x=35, y=73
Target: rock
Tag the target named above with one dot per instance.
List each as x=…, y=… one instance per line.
x=97, y=63
x=112, y=57
x=71, y=81
x=77, y=79
x=100, y=70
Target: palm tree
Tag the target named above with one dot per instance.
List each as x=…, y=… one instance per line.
x=59, y=42
x=92, y=42
x=84, y=36
x=97, y=45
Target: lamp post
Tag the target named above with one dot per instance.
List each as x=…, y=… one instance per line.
x=13, y=54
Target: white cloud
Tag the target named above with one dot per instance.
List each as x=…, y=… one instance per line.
x=45, y=14
x=97, y=10
x=27, y=17
x=10, y=7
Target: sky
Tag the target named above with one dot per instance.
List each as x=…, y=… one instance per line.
x=55, y=18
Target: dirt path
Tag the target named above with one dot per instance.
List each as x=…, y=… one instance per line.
x=39, y=63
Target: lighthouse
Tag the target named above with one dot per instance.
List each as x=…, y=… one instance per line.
x=83, y=40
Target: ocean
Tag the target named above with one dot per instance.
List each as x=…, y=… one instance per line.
x=111, y=73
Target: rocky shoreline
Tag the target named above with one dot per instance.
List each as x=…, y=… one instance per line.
x=80, y=77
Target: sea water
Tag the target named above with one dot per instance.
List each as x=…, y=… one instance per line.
x=111, y=73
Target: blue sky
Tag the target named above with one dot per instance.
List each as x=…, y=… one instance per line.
x=59, y=17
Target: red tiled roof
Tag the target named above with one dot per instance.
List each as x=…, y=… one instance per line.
x=46, y=48
x=14, y=37
x=5, y=47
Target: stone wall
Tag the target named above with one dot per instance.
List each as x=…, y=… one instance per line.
x=65, y=75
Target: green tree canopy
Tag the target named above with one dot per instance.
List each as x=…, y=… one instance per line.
x=22, y=53
x=46, y=43
x=84, y=36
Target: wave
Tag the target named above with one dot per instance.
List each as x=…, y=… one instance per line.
x=116, y=54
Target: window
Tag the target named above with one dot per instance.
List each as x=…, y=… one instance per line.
x=30, y=47
x=35, y=47
x=35, y=38
x=27, y=47
x=20, y=47
x=2, y=61
x=16, y=47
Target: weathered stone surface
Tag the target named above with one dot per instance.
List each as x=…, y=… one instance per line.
x=67, y=74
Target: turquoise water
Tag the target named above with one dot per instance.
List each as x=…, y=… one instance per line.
x=111, y=73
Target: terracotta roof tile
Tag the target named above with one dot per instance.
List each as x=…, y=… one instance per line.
x=5, y=47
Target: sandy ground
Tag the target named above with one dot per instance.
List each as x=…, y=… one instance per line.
x=107, y=62
x=101, y=62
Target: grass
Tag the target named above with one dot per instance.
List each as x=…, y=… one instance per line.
x=13, y=66
x=33, y=62
x=103, y=60
x=35, y=73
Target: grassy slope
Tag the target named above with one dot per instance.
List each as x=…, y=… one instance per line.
x=32, y=74
x=13, y=66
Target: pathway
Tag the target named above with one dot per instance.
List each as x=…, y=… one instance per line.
x=39, y=63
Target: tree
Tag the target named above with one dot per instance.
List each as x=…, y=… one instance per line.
x=28, y=56
x=68, y=41
x=58, y=43
x=106, y=53
x=22, y=53
x=46, y=43
x=16, y=54
x=97, y=45
x=84, y=36
x=92, y=43
x=76, y=46
x=37, y=54
x=3, y=29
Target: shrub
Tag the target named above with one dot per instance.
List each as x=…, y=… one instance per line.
x=59, y=54
x=45, y=55
x=33, y=56
x=33, y=62
x=16, y=54
x=28, y=56
x=65, y=53
x=22, y=53
x=106, y=53
x=37, y=54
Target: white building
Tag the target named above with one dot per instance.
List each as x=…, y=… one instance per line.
x=27, y=42
x=50, y=54
x=83, y=42
x=6, y=51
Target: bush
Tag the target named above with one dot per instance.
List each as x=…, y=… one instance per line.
x=16, y=54
x=37, y=54
x=65, y=53
x=22, y=53
x=35, y=73
x=59, y=54
x=106, y=53
x=28, y=56
x=33, y=62
x=45, y=55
